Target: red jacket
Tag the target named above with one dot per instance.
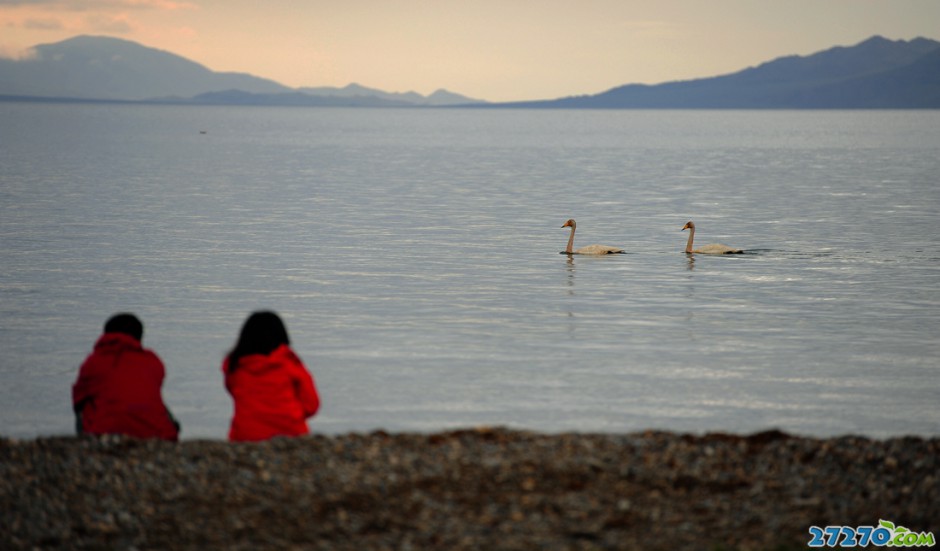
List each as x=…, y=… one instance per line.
x=274, y=395
x=118, y=391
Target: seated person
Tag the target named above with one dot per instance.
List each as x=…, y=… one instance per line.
x=272, y=390
x=118, y=390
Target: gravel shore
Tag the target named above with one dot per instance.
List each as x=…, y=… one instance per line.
x=472, y=489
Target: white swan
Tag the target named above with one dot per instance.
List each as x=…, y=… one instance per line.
x=590, y=249
x=714, y=248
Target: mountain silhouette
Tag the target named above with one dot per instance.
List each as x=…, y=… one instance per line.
x=104, y=68
x=876, y=73
x=438, y=98
x=95, y=67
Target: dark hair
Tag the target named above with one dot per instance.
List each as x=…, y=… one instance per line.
x=262, y=333
x=125, y=323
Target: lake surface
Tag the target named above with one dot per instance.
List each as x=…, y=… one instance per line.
x=414, y=255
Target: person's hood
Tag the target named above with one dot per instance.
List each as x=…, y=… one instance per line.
x=117, y=341
x=259, y=363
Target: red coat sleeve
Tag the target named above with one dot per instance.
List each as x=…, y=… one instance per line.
x=305, y=387
x=87, y=384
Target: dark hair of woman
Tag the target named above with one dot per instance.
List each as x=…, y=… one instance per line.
x=125, y=323
x=262, y=333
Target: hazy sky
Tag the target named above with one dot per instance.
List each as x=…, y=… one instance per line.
x=498, y=50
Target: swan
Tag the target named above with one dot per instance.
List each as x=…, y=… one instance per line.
x=707, y=249
x=590, y=249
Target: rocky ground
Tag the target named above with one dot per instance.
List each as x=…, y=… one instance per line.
x=473, y=489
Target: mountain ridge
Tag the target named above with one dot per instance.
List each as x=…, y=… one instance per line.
x=877, y=73
x=439, y=97
x=94, y=67
x=821, y=80
x=100, y=68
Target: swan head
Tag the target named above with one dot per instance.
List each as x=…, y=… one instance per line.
x=688, y=226
x=569, y=224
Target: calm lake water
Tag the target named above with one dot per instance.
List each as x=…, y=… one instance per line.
x=414, y=255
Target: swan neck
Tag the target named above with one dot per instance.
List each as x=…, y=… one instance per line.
x=688, y=245
x=570, y=241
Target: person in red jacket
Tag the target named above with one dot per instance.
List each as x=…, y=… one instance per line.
x=118, y=390
x=272, y=390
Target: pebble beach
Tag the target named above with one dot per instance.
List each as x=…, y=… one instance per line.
x=483, y=488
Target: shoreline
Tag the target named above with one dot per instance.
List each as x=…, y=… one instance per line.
x=483, y=488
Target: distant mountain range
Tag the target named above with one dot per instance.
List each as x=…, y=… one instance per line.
x=440, y=97
x=875, y=74
x=110, y=69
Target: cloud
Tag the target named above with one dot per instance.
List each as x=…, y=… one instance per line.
x=161, y=4
x=84, y=16
x=186, y=32
x=43, y=24
x=118, y=24
x=166, y=5
x=99, y=5
x=27, y=2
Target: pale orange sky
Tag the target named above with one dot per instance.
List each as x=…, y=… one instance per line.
x=497, y=50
